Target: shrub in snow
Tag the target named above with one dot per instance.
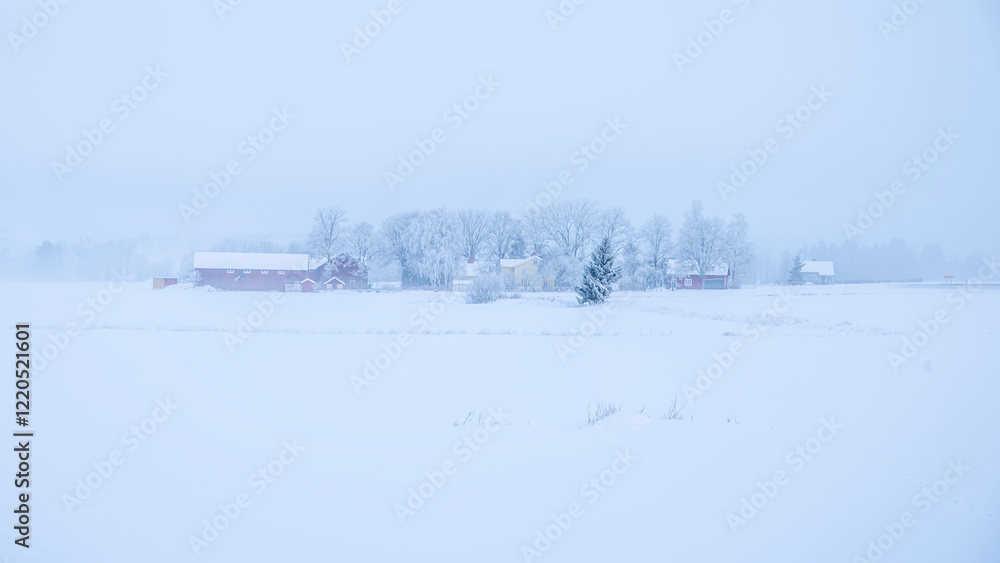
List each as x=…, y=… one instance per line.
x=673, y=413
x=600, y=275
x=604, y=410
x=489, y=287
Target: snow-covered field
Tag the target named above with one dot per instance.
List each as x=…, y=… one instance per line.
x=809, y=427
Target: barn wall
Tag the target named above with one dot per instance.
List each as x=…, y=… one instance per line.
x=254, y=281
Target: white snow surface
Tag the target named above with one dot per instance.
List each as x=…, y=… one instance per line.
x=820, y=363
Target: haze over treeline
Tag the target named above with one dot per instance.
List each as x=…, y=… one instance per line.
x=146, y=256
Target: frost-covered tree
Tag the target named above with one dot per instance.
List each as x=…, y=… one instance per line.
x=475, y=229
x=702, y=239
x=563, y=233
x=503, y=237
x=326, y=236
x=795, y=274
x=427, y=245
x=636, y=273
x=655, y=236
x=599, y=276
x=739, y=250
x=434, y=241
x=362, y=242
x=394, y=246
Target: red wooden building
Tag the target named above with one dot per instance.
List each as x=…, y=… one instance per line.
x=344, y=272
x=251, y=271
x=686, y=276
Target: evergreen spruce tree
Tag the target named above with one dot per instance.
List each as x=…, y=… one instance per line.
x=795, y=274
x=599, y=275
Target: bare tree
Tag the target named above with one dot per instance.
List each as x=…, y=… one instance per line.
x=474, y=224
x=503, y=236
x=571, y=227
x=362, y=242
x=326, y=237
x=616, y=227
x=702, y=239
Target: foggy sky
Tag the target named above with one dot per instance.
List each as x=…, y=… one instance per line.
x=222, y=79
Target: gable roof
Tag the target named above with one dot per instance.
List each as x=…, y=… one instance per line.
x=334, y=278
x=253, y=261
x=515, y=262
x=822, y=268
x=687, y=268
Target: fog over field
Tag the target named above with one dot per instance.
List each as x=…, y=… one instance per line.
x=566, y=280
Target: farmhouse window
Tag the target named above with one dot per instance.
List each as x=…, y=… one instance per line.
x=352, y=283
x=687, y=282
x=524, y=271
x=281, y=271
x=246, y=271
x=230, y=271
x=263, y=271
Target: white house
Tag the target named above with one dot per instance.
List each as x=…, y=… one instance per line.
x=817, y=271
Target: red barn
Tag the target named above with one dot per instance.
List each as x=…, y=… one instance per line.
x=344, y=272
x=252, y=271
x=686, y=276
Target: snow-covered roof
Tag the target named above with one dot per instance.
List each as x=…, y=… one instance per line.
x=252, y=261
x=340, y=281
x=688, y=268
x=515, y=262
x=823, y=268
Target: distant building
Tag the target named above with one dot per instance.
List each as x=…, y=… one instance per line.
x=819, y=272
x=519, y=273
x=160, y=283
x=345, y=272
x=684, y=275
x=251, y=271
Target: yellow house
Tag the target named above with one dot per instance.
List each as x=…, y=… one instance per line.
x=520, y=273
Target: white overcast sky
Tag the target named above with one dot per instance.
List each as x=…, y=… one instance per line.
x=609, y=59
